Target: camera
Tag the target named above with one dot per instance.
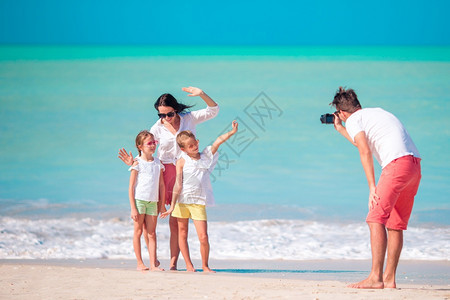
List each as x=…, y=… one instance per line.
x=327, y=119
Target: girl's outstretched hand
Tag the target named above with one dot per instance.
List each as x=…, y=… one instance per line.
x=193, y=91
x=234, y=125
x=125, y=157
x=166, y=213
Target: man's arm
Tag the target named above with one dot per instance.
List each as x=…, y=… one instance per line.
x=367, y=162
x=341, y=129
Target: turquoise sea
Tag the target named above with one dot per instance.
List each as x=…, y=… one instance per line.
x=289, y=187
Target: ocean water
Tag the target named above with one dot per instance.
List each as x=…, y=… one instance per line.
x=287, y=188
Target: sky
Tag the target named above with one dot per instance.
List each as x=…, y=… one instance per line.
x=139, y=22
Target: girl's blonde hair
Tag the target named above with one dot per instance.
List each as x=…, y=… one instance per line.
x=183, y=136
x=141, y=137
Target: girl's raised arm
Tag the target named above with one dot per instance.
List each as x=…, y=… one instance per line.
x=224, y=137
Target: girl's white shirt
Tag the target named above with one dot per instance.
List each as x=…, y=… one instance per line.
x=168, y=150
x=197, y=188
x=147, y=179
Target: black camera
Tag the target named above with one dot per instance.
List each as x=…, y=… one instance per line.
x=327, y=119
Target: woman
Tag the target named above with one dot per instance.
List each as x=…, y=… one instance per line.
x=173, y=118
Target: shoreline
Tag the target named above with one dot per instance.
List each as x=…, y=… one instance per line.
x=347, y=271
x=117, y=279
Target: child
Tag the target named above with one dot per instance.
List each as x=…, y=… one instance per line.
x=193, y=191
x=146, y=187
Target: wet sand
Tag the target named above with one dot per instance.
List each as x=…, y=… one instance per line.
x=118, y=279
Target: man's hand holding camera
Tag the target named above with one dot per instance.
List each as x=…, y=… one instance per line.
x=338, y=122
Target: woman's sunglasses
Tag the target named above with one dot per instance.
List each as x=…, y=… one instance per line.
x=170, y=115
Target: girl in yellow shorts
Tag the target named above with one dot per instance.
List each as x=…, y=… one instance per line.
x=192, y=192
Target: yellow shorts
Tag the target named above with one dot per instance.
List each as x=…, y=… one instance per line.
x=194, y=211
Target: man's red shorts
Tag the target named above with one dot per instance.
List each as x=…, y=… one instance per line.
x=398, y=184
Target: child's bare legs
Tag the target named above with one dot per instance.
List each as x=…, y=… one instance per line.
x=202, y=233
x=174, y=248
x=137, y=241
x=150, y=222
x=145, y=233
x=183, y=227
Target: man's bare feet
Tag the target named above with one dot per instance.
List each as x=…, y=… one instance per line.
x=367, y=284
x=173, y=268
x=190, y=269
x=156, y=269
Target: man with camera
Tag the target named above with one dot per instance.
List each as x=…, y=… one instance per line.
x=377, y=132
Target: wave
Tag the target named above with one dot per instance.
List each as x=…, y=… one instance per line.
x=85, y=238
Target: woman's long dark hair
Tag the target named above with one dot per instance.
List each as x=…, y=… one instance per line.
x=169, y=100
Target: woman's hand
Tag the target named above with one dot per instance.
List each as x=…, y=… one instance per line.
x=125, y=157
x=193, y=91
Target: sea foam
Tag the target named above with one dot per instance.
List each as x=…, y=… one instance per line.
x=72, y=238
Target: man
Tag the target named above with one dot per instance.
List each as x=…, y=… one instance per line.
x=377, y=132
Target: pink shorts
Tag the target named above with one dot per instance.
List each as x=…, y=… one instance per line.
x=398, y=184
x=169, y=175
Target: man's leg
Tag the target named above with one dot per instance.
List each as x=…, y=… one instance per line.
x=394, y=248
x=399, y=217
x=378, y=241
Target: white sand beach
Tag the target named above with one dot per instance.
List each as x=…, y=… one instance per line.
x=28, y=279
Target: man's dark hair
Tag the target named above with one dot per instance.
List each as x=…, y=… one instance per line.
x=346, y=100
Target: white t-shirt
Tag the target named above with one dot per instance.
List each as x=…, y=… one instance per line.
x=147, y=180
x=386, y=136
x=168, y=150
x=197, y=188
